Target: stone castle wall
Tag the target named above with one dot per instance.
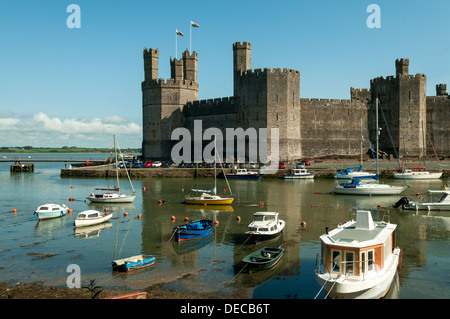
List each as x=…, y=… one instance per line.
x=270, y=98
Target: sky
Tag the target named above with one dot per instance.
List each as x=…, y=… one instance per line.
x=62, y=86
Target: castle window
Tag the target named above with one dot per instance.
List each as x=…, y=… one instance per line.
x=409, y=92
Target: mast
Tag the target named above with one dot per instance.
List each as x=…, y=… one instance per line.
x=423, y=145
x=377, y=132
x=117, y=168
x=362, y=139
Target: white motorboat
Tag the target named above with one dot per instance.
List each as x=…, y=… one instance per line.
x=113, y=195
x=245, y=174
x=443, y=202
x=299, y=173
x=91, y=217
x=48, y=211
x=415, y=173
x=265, y=226
x=358, y=259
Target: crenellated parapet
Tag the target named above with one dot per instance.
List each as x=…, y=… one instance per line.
x=217, y=106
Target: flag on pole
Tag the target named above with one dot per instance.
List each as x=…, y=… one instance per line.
x=179, y=33
x=195, y=25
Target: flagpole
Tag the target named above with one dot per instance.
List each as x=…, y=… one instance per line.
x=190, y=36
x=176, y=36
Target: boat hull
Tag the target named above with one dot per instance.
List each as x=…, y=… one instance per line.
x=419, y=176
x=245, y=176
x=133, y=263
x=426, y=206
x=305, y=176
x=92, y=221
x=372, y=191
x=264, y=258
x=370, y=288
x=193, y=231
x=118, y=199
x=42, y=215
x=199, y=201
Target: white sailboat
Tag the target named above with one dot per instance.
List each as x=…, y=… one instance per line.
x=113, y=195
x=417, y=172
x=358, y=187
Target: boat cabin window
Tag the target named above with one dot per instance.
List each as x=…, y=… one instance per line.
x=82, y=216
x=336, y=254
x=55, y=208
x=349, y=262
x=93, y=215
x=371, y=260
x=443, y=196
x=44, y=208
x=270, y=217
x=258, y=218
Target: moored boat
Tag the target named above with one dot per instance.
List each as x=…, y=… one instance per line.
x=442, y=203
x=133, y=263
x=243, y=173
x=110, y=195
x=263, y=258
x=91, y=217
x=415, y=173
x=352, y=173
x=48, y=211
x=265, y=226
x=358, y=259
x=358, y=187
x=299, y=173
x=193, y=230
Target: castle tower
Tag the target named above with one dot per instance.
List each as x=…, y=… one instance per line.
x=242, y=61
x=401, y=67
x=190, y=66
x=441, y=89
x=151, y=58
x=403, y=101
x=163, y=102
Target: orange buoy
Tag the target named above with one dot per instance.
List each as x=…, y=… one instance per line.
x=317, y=192
x=378, y=206
x=159, y=201
x=139, y=216
x=216, y=222
x=71, y=186
x=238, y=217
x=312, y=205
x=303, y=223
x=125, y=214
x=204, y=204
x=172, y=218
x=261, y=204
x=106, y=209
x=70, y=211
x=186, y=219
x=224, y=190
x=14, y=210
x=70, y=199
x=417, y=194
x=144, y=188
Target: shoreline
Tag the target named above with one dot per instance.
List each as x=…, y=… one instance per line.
x=39, y=290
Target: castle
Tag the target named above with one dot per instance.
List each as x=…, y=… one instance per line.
x=270, y=98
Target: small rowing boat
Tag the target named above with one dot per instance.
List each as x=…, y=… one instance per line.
x=133, y=263
x=262, y=259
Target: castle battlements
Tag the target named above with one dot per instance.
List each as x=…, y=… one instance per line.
x=170, y=83
x=269, y=71
x=215, y=106
x=401, y=76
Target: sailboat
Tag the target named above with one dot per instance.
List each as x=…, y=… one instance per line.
x=358, y=187
x=355, y=172
x=112, y=195
x=418, y=172
x=210, y=197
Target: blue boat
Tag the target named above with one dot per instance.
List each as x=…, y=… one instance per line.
x=194, y=230
x=133, y=263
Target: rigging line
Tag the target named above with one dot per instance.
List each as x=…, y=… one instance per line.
x=126, y=170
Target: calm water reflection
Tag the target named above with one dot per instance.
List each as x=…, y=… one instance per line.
x=34, y=251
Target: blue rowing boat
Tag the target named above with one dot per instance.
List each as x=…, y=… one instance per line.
x=133, y=263
x=194, y=230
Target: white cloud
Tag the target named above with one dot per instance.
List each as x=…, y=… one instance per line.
x=42, y=130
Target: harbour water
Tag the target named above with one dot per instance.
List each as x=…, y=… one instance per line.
x=33, y=251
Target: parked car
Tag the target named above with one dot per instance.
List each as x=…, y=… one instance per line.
x=299, y=165
x=282, y=166
x=137, y=164
x=262, y=165
x=252, y=165
x=148, y=164
x=306, y=162
x=157, y=164
x=122, y=165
